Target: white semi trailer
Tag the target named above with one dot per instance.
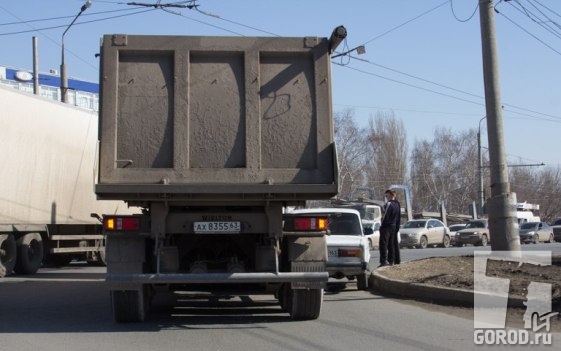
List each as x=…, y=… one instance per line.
x=47, y=195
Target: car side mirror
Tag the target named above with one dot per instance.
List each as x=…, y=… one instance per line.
x=368, y=231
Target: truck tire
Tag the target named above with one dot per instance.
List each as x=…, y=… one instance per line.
x=101, y=257
x=29, y=253
x=129, y=306
x=8, y=253
x=283, y=294
x=306, y=303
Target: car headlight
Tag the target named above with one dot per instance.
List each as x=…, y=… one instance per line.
x=531, y=233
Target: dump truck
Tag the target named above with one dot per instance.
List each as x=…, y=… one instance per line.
x=47, y=176
x=212, y=137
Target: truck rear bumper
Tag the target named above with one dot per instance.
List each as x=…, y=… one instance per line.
x=218, y=278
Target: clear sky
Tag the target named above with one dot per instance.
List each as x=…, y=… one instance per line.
x=422, y=61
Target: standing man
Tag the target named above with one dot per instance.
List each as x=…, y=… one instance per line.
x=389, y=245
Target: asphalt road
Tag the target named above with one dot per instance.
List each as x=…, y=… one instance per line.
x=68, y=309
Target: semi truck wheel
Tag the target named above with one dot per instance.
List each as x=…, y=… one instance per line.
x=128, y=305
x=283, y=294
x=29, y=253
x=8, y=253
x=306, y=303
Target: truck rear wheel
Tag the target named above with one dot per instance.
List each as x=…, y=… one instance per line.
x=29, y=253
x=306, y=304
x=8, y=253
x=283, y=294
x=129, y=305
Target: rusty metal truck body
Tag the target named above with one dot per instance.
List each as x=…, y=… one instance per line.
x=212, y=137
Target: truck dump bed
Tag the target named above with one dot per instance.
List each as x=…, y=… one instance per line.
x=216, y=117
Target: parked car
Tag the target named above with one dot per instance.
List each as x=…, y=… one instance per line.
x=476, y=233
x=534, y=232
x=374, y=238
x=556, y=227
x=347, y=246
x=423, y=232
x=454, y=228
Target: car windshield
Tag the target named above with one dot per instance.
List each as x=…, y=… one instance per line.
x=457, y=226
x=475, y=224
x=415, y=224
x=344, y=224
x=528, y=225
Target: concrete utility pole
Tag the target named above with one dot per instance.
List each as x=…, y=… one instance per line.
x=501, y=206
x=481, y=191
x=35, y=67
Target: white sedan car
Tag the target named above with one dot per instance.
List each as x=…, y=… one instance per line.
x=347, y=246
x=423, y=232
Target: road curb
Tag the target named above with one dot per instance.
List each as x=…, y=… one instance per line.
x=417, y=291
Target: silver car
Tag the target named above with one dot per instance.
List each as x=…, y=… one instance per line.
x=423, y=232
x=534, y=232
x=453, y=228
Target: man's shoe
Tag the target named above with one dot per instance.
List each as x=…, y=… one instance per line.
x=383, y=264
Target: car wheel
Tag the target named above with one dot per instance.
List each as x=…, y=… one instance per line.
x=536, y=239
x=362, y=281
x=446, y=241
x=423, y=243
x=483, y=241
x=550, y=239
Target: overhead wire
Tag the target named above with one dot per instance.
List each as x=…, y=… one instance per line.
x=525, y=30
x=77, y=23
x=462, y=20
x=544, y=116
x=544, y=23
x=551, y=117
x=61, y=17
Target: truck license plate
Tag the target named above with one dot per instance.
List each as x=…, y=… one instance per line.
x=216, y=227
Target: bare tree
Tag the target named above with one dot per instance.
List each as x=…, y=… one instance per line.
x=387, y=164
x=445, y=170
x=538, y=186
x=352, y=153
x=550, y=189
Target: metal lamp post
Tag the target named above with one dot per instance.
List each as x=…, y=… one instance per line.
x=63, y=75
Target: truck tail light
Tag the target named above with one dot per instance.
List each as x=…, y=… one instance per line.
x=349, y=252
x=121, y=223
x=310, y=223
